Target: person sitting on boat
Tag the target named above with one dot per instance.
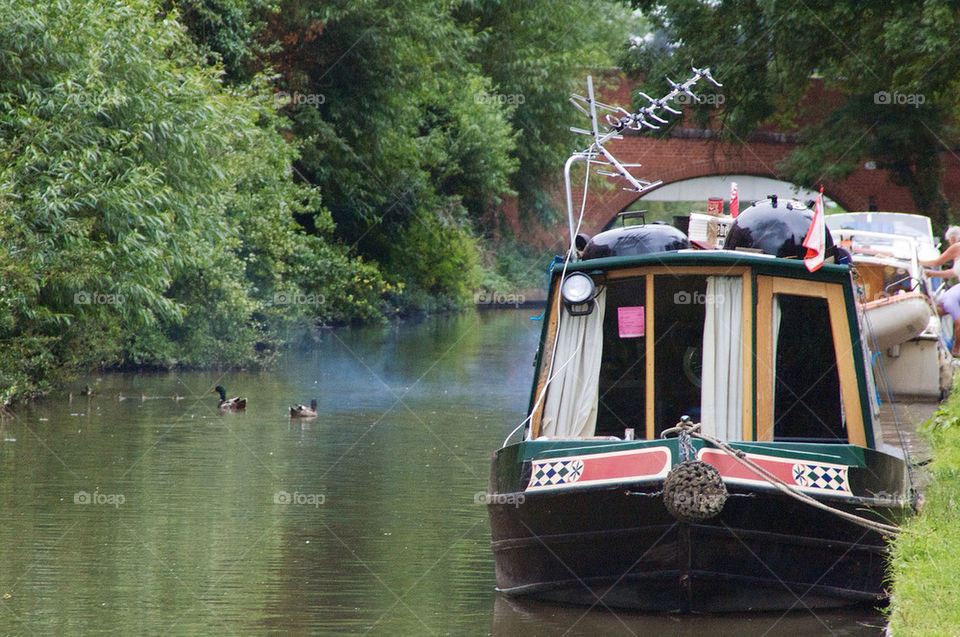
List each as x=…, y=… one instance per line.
x=950, y=301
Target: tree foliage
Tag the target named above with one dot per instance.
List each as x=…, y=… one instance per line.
x=398, y=132
x=536, y=54
x=427, y=113
x=146, y=213
x=162, y=161
x=892, y=63
x=227, y=32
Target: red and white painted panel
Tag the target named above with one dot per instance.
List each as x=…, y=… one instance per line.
x=815, y=477
x=652, y=463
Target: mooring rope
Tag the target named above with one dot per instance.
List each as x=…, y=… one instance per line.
x=792, y=491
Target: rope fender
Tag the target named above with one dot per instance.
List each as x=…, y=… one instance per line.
x=694, y=491
x=691, y=506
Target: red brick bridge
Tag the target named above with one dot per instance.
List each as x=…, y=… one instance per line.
x=689, y=153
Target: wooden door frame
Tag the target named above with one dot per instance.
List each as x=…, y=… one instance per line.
x=843, y=349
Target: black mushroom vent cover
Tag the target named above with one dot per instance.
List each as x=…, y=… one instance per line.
x=631, y=240
x=777, y=228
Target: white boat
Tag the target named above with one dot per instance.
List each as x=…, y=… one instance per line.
x=897, y=319
x=902, y=327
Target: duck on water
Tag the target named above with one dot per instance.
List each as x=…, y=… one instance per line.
x=302, y=411
x=234, y=404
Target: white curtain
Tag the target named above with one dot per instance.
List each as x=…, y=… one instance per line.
x=570, y=408
x=721, y=391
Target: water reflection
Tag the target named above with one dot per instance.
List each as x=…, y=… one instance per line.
x=134, y=512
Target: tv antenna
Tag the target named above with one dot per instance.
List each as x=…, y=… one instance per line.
x=617, y=119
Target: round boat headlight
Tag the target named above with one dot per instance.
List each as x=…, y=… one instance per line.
x=577, y=288
x=578, y=291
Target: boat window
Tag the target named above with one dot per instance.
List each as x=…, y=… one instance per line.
x=622, y=396
x=807, y=403
x=679, y=311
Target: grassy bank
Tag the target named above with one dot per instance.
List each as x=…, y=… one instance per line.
x=926, y=557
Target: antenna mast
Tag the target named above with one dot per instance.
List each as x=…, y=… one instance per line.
x=616, y=120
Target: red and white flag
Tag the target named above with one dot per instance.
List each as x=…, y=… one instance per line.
x=816, y=239
x=734, y=200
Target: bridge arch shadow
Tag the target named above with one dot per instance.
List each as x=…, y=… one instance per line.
x=683, y=196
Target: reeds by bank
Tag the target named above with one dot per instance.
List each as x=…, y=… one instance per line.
x=925, y=565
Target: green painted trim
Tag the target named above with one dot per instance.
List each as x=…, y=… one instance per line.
x=541, y=449
x=837, y=453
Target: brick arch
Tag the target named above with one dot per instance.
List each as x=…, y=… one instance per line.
x=690, y=154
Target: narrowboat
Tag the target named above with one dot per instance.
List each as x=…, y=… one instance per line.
x=702, y=433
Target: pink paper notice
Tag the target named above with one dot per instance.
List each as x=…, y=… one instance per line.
x=630, y=321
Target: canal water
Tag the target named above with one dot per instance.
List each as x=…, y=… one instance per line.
x=143, y=510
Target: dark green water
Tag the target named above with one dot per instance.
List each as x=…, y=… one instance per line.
x=153, y=516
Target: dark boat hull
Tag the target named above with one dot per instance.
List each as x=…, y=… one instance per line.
x=612, y=546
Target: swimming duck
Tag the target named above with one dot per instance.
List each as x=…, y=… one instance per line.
x=302, y=411
x=234, y=404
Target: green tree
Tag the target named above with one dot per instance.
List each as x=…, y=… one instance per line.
x=536, y=54
x=892, y=62
x=398, y=132
x=228, y=32
x=146, y=213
